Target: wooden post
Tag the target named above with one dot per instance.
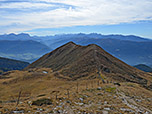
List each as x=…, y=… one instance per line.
x=56, y=95
x=19, y=95
x=68, y=93
x=77, y=87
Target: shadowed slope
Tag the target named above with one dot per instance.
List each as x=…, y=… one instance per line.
x=10, y=64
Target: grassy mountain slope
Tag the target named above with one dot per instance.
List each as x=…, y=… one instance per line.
x=132, y=52
x=66, y=81
x=75, y=61
x=92, y=96
x=128, y=51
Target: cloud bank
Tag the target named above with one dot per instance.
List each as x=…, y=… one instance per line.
x=23, y=15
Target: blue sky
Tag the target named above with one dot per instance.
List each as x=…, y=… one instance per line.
x=47, y=17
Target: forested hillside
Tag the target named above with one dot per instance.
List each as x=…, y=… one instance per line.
x=9, y=64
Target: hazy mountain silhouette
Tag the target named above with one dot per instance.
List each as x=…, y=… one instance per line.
x=22, y=50
x=144, y=67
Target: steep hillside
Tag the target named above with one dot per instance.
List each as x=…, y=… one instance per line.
x=144, y=67
x=132, y=52
x=22, y=50
x=75, y=61
x=18, y=47
x=9, y=64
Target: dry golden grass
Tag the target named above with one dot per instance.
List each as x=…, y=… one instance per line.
x=36, y=85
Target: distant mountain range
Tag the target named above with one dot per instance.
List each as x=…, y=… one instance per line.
x=10, y=64
x=131, y=49
x=13, y=36
x=144, y=67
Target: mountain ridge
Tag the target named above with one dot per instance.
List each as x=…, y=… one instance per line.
x=143, y=67
x=75, y=62
x=26, y=36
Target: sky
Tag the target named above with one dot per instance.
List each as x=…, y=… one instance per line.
x=48, y=17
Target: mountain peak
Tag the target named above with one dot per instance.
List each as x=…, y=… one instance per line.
x=24, y=34
x=67, y=46
x=12, y=34
x=70, y=43
x=73, y=62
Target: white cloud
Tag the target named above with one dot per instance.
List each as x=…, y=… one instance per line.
x=21, y=5
x=79, y=12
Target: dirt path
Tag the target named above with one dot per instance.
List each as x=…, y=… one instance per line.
x=132, y=104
